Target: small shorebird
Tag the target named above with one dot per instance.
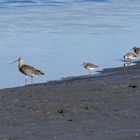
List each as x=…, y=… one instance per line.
x=89, y=67
x=136, y=50
x=129, y=56
x=27, y=70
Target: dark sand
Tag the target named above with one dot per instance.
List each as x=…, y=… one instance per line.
x=104, y=107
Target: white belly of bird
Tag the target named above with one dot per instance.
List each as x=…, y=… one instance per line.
x=130, y=58
x=90, y=68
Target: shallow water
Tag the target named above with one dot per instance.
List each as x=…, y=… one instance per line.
x=58, y=36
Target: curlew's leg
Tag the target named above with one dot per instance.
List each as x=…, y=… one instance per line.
x=31, y=79
x=89, y=72
x=26, y=78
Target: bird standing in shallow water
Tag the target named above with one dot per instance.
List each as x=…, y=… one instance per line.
x=89, y=67
x=27, y=70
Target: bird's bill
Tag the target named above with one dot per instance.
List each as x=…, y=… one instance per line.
x=15, y=61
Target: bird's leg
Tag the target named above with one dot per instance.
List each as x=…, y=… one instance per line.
x=130, y=60
x=31, y=79
x=26, y=78
x=89, y=72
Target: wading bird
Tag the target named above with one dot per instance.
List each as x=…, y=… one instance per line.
x=89, y=66
x=27, y=70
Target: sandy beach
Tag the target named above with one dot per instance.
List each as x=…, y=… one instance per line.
x=97, y=107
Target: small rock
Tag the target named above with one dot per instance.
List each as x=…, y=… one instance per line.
x=115, y=109
x=137, y=135
x=132, y=86
x=60, y=111
x=70, y=120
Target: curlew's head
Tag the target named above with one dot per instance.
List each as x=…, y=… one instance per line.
x=19, y=61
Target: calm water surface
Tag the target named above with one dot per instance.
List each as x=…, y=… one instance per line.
x=58, y=36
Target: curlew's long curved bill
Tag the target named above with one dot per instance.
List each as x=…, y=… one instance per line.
x=15, y=61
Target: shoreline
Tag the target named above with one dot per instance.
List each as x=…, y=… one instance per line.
x=98, y=74
x=105, y=106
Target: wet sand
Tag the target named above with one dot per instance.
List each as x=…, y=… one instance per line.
x=103, y=107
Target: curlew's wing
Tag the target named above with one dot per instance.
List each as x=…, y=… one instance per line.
x=29, y=70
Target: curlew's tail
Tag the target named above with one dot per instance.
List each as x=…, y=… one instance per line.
x=96, y=66
x=42, y=73
x=39, y=73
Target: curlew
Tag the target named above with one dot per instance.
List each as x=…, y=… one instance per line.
x=27, y=70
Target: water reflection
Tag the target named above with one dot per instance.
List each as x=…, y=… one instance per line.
x=129, y=63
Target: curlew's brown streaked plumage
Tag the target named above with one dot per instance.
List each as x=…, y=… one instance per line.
x=89, y=66
x=28, y=70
